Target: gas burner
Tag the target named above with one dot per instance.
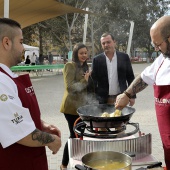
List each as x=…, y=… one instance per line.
x=82, y=129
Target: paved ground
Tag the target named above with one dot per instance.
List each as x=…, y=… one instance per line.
x=49, y=90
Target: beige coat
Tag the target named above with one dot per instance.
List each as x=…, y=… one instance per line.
x=75, y=94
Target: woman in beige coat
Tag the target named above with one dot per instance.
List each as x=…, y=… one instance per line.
x=76, y=75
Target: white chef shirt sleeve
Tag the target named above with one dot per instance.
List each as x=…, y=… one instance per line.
x=149, y=73
x=15, y=120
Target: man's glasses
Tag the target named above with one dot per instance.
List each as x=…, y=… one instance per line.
x=157, y=46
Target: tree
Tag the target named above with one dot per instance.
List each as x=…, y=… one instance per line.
x=143, y=13
x=112, y=16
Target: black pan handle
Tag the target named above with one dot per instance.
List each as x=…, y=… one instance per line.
x=158, y=164
x=131, y=154
x=80, y=167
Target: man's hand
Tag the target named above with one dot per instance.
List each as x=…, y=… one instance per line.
x=55, y=145
x=50, y=129
x=56, y=134
x=121, y=101
x=54, y=130
x=131, y=102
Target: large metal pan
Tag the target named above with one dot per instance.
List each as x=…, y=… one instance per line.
x=105, y=160
x=91, y=115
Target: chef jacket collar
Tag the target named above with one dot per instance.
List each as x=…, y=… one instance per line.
x=7, y=69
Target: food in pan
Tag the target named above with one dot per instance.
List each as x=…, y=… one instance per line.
x=107, y=164
x=105, y=114
x=117, y=113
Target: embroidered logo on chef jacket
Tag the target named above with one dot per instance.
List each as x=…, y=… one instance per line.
x=30, y=90
x=18, y=118
x=3, y=97
x=162, y=101
x=11, y=97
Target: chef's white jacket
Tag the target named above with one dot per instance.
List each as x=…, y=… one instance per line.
x=10, y=108
x=163, y=75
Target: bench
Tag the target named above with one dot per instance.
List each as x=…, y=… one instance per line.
x=38, y=69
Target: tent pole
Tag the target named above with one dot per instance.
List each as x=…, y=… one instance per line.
x=6, y=8
x=130, y=38
x=85, y=27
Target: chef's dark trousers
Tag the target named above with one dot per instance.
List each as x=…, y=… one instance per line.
x=70, y=120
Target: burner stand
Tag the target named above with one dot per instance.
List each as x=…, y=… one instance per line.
x=106, y=133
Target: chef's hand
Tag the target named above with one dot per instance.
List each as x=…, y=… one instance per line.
x=50, y=129
x=121, y=101
x=55, y=145
x=131, y=102
x=54, y=130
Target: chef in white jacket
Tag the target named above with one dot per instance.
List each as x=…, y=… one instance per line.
x=158, y=75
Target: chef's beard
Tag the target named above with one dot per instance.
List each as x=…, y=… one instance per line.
x=167, y=53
